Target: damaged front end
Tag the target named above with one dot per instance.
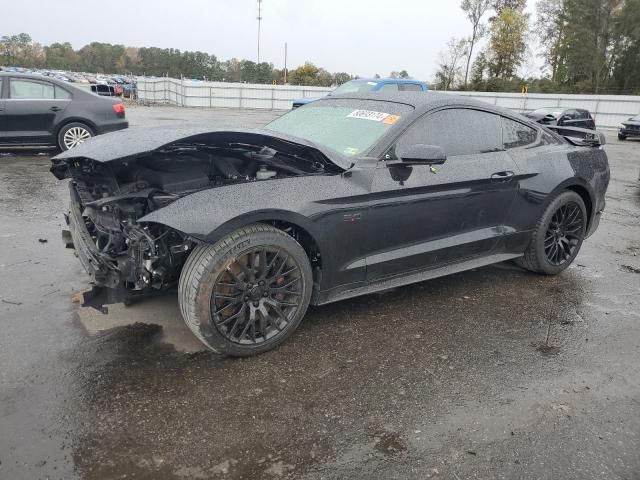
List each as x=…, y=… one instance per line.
x=128, y=258
x=125, y=259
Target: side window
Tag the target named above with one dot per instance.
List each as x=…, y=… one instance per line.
x=389, y=87
x=409, y=87
x=571, y=114
x=30, y=89
x=584, y=114
x=458, y=131
x=516, y=134
x=62, y=93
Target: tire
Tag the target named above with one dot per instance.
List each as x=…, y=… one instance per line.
x=236, y=306
x=555, y=244
x=622, y=137
x=73, y=134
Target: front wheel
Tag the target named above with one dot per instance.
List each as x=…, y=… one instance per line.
x=558, y=235
x=73, y=134
x=622, y=137
x=248, y=292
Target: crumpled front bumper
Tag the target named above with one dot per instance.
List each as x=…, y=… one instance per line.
x=106, y=278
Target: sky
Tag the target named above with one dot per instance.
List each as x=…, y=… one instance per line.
x=355, y=36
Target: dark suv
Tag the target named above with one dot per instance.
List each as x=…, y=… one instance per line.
x=42, y=111
x=572, y=117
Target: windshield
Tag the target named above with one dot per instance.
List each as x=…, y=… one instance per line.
x=350, y=127
x=636, y=118
x=355, y=86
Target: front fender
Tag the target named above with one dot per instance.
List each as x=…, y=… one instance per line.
x=265, y=215
x=211, y=214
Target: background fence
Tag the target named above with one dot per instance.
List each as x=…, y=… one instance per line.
x=608, y=110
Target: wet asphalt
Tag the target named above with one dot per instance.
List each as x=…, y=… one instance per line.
x=492, y=373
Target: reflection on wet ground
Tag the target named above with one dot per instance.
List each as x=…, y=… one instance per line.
x=493, y=373
x=355, y=369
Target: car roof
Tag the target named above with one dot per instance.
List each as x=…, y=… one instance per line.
x=423, y=102
x=35, y=76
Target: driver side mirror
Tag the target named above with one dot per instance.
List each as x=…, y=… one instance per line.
x=421, y=154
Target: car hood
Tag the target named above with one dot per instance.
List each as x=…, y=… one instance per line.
x=136, y=141
x=629, y=123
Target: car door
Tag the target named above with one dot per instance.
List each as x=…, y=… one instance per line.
x=31, y=110
x=427, y=217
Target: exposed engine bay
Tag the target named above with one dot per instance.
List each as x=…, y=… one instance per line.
x=135, y=259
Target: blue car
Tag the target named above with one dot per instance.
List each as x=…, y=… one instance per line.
x=375, y=85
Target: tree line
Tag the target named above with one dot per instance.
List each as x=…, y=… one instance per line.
x=587, y=46
x=21, y=51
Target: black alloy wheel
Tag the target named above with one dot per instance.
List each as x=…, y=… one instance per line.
x=257, y=295
x=246, y=293
x=558, y=235
x=564, y=234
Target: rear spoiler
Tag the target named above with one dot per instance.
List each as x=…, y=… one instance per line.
x=581, y=137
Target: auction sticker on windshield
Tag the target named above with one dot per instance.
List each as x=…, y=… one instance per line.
x=370, y=115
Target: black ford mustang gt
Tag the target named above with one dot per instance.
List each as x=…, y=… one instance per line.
x=345, y=196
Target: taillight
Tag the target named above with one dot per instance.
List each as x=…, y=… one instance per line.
x=119, y=109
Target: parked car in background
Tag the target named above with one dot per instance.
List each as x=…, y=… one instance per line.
x=347, y=196
x=103, y=90
x=572, y=117
x=630, y=128
x=42, y=111
x=376, y=85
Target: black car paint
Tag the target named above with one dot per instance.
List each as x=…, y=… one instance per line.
x=379, y=223
x=36, y=122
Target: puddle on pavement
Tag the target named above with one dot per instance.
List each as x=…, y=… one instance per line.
x=161, y=311
x=152, y=401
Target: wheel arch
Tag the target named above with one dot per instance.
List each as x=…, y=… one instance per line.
x=586, y=198
x=582, y=188
x=69, y=120
x=297, y=226
x=301, y=228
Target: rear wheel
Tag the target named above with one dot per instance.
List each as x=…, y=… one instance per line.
x=248, y=292
x=558, y=236
x=73, y=134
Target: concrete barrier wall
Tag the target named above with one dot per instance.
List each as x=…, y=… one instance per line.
x=189, y=93
x=608, y=110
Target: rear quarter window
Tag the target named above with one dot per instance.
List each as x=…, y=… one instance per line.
x=516, y=134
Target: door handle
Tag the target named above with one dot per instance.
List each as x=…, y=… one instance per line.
x=55, y=109
x=499, y=177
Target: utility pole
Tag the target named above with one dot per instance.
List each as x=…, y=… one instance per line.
x=285, y=63
x=259, y=23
